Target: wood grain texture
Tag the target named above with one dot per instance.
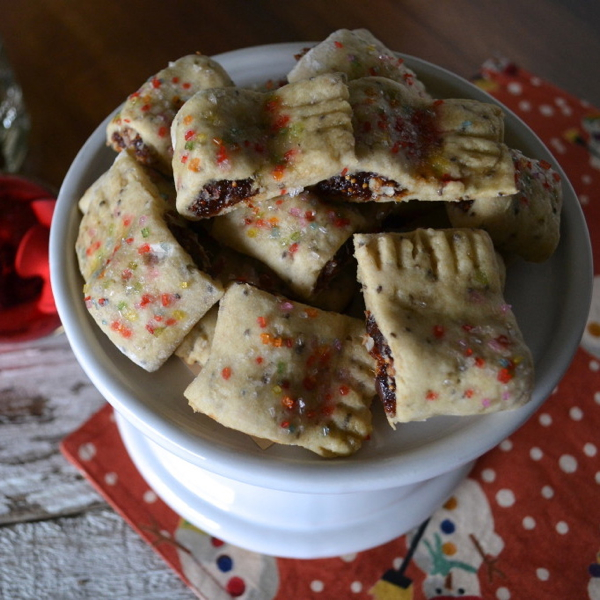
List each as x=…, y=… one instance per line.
x=58, y=537
x=95, y=555
x=44, y=395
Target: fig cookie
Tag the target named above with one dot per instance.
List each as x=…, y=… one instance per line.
x=445, y=341
x=141, y=287
x=287, y=372
x=427, y=150
x=232, y=145
x=526, y=224
x=356, y=53
x=302, y=238
x=143, y=124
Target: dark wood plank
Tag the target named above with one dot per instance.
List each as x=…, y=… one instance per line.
x=77, y=65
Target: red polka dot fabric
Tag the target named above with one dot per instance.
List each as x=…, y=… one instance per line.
x=523, y=525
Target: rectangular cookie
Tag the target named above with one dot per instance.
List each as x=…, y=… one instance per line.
x=301, y=238
x=339, y=285
x=141, y=287
x=444, y=338
x=287, y=372
x=232, y=145
x=356, y=53
x=526, y=224
x=426, y=150
x=143, y=124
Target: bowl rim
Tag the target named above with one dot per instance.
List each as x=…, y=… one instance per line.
x=312, y=474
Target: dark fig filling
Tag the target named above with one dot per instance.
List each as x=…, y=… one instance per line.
x=363, y=185
x=216, y=196
x=136, y=145
x=384, y=382
x=334, y=266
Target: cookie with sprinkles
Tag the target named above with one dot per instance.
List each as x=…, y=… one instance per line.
x=227, y=265
x=337, y=288
x=356, y=53
x=526, y=224
x=445, y=341
x=141, y=287
x=142, y=126
x=305, y=240
x=410, y=148
x=287, y=372
x=232, y=145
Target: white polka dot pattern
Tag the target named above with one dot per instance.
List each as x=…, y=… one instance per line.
x=536, y=454
x=590, y=450
x=567, y=463
x=562, y=528
x=505, y=498
x=150, y=496
x=547, y=492
x=87, y=451
x=542, y=574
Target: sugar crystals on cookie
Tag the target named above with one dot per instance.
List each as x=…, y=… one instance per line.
x=287, y=372
x=526, y=224
x=409, y=148
x=232, y=145
x=445, y=340
x=303, y=239
x=142, y=288
x=142, y=126
x=356, y=53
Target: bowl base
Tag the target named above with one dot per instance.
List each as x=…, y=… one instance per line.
x=281, y=523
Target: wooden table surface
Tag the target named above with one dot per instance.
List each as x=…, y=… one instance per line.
x=76, y=61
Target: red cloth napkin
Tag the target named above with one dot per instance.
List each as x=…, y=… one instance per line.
x=523, y=525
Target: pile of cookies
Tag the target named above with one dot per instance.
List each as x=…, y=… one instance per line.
x=308, y=246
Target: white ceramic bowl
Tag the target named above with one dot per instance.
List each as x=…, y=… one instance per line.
x=272, y=500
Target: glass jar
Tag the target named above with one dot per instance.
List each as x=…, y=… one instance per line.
x=14, y=121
